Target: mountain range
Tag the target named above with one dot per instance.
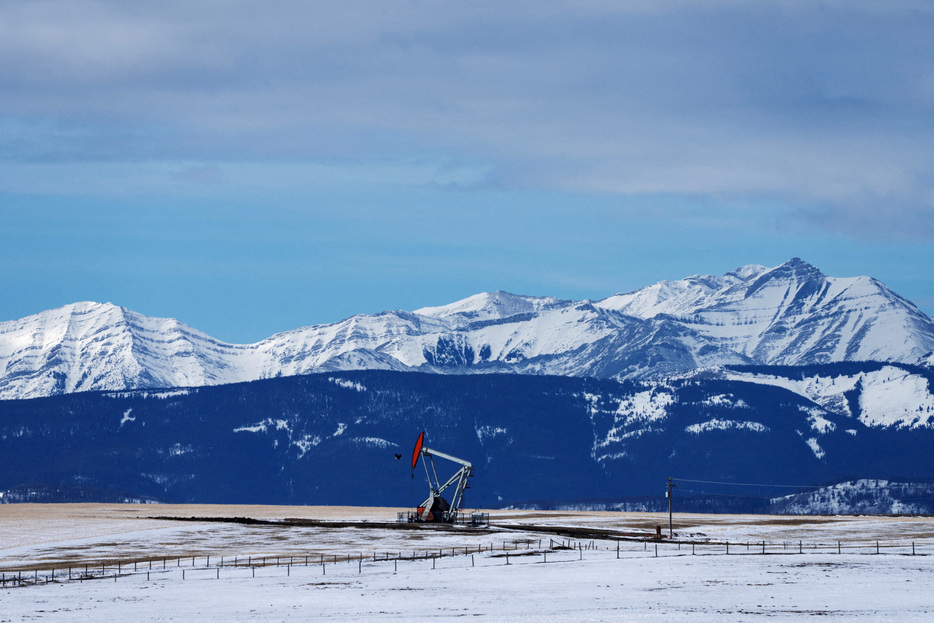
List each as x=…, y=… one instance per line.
x=789, y=315
x=753, y=389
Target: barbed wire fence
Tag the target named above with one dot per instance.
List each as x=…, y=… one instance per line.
x=507, y=552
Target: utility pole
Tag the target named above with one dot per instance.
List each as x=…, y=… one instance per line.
x=670, y=485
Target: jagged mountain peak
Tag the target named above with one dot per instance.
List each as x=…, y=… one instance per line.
x=798, y=266
x=795, y=271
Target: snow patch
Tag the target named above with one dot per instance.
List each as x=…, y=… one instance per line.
x=489, y=432
x=891, y=396
x=178, y=450
x=718, y=424
x=633, y=417
x=347, y=384
x=265, y=426
x=817, y=421
x=374, y=442
x=895, y=397
x=306, y=443
x=815, y=447
x=161, y=394
x=725, y=400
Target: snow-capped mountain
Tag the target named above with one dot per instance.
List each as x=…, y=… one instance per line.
x=788, y=315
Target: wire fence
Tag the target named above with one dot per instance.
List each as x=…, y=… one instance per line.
x=507, y=552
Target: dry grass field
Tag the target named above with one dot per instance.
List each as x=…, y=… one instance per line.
x=70, y=534
x=87, y=562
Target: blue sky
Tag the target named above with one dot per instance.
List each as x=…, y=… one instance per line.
x=254, y=167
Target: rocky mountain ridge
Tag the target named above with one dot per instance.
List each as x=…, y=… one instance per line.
x=791, y=314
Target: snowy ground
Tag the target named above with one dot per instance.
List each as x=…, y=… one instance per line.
x=383, y=573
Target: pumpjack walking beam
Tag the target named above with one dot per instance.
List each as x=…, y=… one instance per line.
x=435, y=506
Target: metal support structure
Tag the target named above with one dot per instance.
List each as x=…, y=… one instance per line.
x=435, y=508
x=459, y=481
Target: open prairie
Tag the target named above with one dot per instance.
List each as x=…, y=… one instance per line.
x=75, y=562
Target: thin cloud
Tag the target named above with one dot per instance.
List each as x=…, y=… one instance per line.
x=826, y=105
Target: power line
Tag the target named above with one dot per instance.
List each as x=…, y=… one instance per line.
x=728, y=495
x=748, y=484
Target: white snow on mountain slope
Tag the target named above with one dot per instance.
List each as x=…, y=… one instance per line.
x=86, y=346
x=719, y=424
x=890, y=397
x=858, y=497
x=791, y=314
x=678, y=298
x=632, y=417
x=491, y=305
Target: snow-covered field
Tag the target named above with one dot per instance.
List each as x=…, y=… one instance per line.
x=159, y=570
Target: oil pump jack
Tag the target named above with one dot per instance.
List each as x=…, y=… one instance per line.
x=436, y=508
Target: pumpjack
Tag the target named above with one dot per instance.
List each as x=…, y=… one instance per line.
x=435, y=508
